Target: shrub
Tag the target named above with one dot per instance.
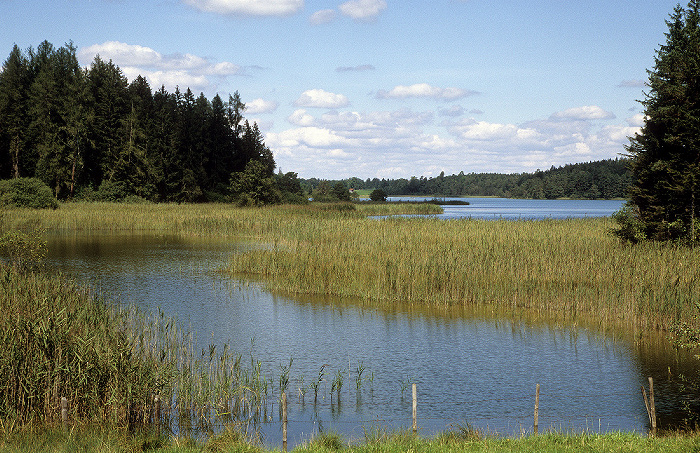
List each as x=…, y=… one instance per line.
x=26, y=193
x=377, y=195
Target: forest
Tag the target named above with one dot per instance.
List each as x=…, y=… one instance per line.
x=90, y=134
x=605, y=179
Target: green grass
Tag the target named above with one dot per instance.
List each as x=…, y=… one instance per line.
x=95, y=439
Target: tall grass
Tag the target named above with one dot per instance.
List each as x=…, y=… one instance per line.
x=571, y=266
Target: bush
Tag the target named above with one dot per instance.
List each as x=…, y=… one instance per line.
x=377, y=195
x=26, y=193
x=631, y=228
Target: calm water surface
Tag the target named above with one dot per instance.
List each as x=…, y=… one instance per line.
x=478, y=367
x=508, y=208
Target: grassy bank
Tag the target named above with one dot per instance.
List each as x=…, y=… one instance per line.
x=111, y=441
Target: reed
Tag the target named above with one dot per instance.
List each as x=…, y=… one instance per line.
x=558, y=266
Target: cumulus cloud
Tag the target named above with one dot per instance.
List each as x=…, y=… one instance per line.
x=636, y=120
x=170, y=70
x=257, y=106
x=322, y=99
x=588, y=112
x=424, y=90
x=248, y=7
x=363, y=9
x=301, y=118
x=405, y=142
x=362, y=67
x=323, y=16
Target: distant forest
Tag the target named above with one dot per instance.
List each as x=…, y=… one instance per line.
x=592, y=180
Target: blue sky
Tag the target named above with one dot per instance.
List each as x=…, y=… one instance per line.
x=385, y=88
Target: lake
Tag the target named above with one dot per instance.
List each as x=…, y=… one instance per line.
x=470, y=366
x=509, y=208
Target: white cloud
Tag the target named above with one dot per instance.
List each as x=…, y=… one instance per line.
x=322, y=99
x=257, y=106
x=363, y=9
x=185, y=70
x=424, y=90
x=323, y=16
x=248, y=7
x=301, y=118
x=404, y=143
x=588, y=112
x=636, y=120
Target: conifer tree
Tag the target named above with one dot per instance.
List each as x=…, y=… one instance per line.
x=665, y=155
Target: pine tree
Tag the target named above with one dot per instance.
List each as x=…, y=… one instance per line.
x=666, y=153
x=14, y=88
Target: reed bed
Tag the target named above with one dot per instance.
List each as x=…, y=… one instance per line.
x=573, y=266
x=210, y=219
x=111, y=363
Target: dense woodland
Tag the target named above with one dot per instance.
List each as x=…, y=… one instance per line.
x=90, y=134
x=601, y=179
x=87, y=132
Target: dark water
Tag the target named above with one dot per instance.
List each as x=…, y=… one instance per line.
x=472, y=367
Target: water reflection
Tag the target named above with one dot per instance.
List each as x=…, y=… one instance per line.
x=479, y=366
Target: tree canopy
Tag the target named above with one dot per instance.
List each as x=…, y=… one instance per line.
x=665, y=155
x=88, y=132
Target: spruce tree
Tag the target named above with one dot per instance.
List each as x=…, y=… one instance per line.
x=665, y=155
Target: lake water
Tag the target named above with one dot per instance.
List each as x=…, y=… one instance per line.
x=474, y=367
x=508, y=208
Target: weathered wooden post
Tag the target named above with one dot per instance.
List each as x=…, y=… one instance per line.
x=64, y=411
x=415, y=409
x=537, y=409
x=651, y=406
x=156, y=412
x=284, y=421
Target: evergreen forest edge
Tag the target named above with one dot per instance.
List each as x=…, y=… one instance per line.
x=90, y=135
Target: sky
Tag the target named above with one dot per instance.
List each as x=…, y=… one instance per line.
x=385, y=88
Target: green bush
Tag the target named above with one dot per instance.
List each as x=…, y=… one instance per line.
x=26, y=193
x=631, y=228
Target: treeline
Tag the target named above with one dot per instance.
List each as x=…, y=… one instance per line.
x=592, y=180
x=88, y=133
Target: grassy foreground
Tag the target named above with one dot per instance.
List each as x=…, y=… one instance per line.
x=111, y=441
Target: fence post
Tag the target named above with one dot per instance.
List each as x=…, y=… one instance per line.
x=415, y=409
x=537, y=409
x=284, y=421
x=64, y=411
x=652, y=405
x=156, y=412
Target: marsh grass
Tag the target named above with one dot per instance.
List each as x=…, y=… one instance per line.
x=558, y=266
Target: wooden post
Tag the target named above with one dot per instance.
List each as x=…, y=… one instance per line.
x=537, y=409
x=650, y=405
x=156, y=412
x=652, y=413
x=64, y=411
x=415, y=409
x=284, y=421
